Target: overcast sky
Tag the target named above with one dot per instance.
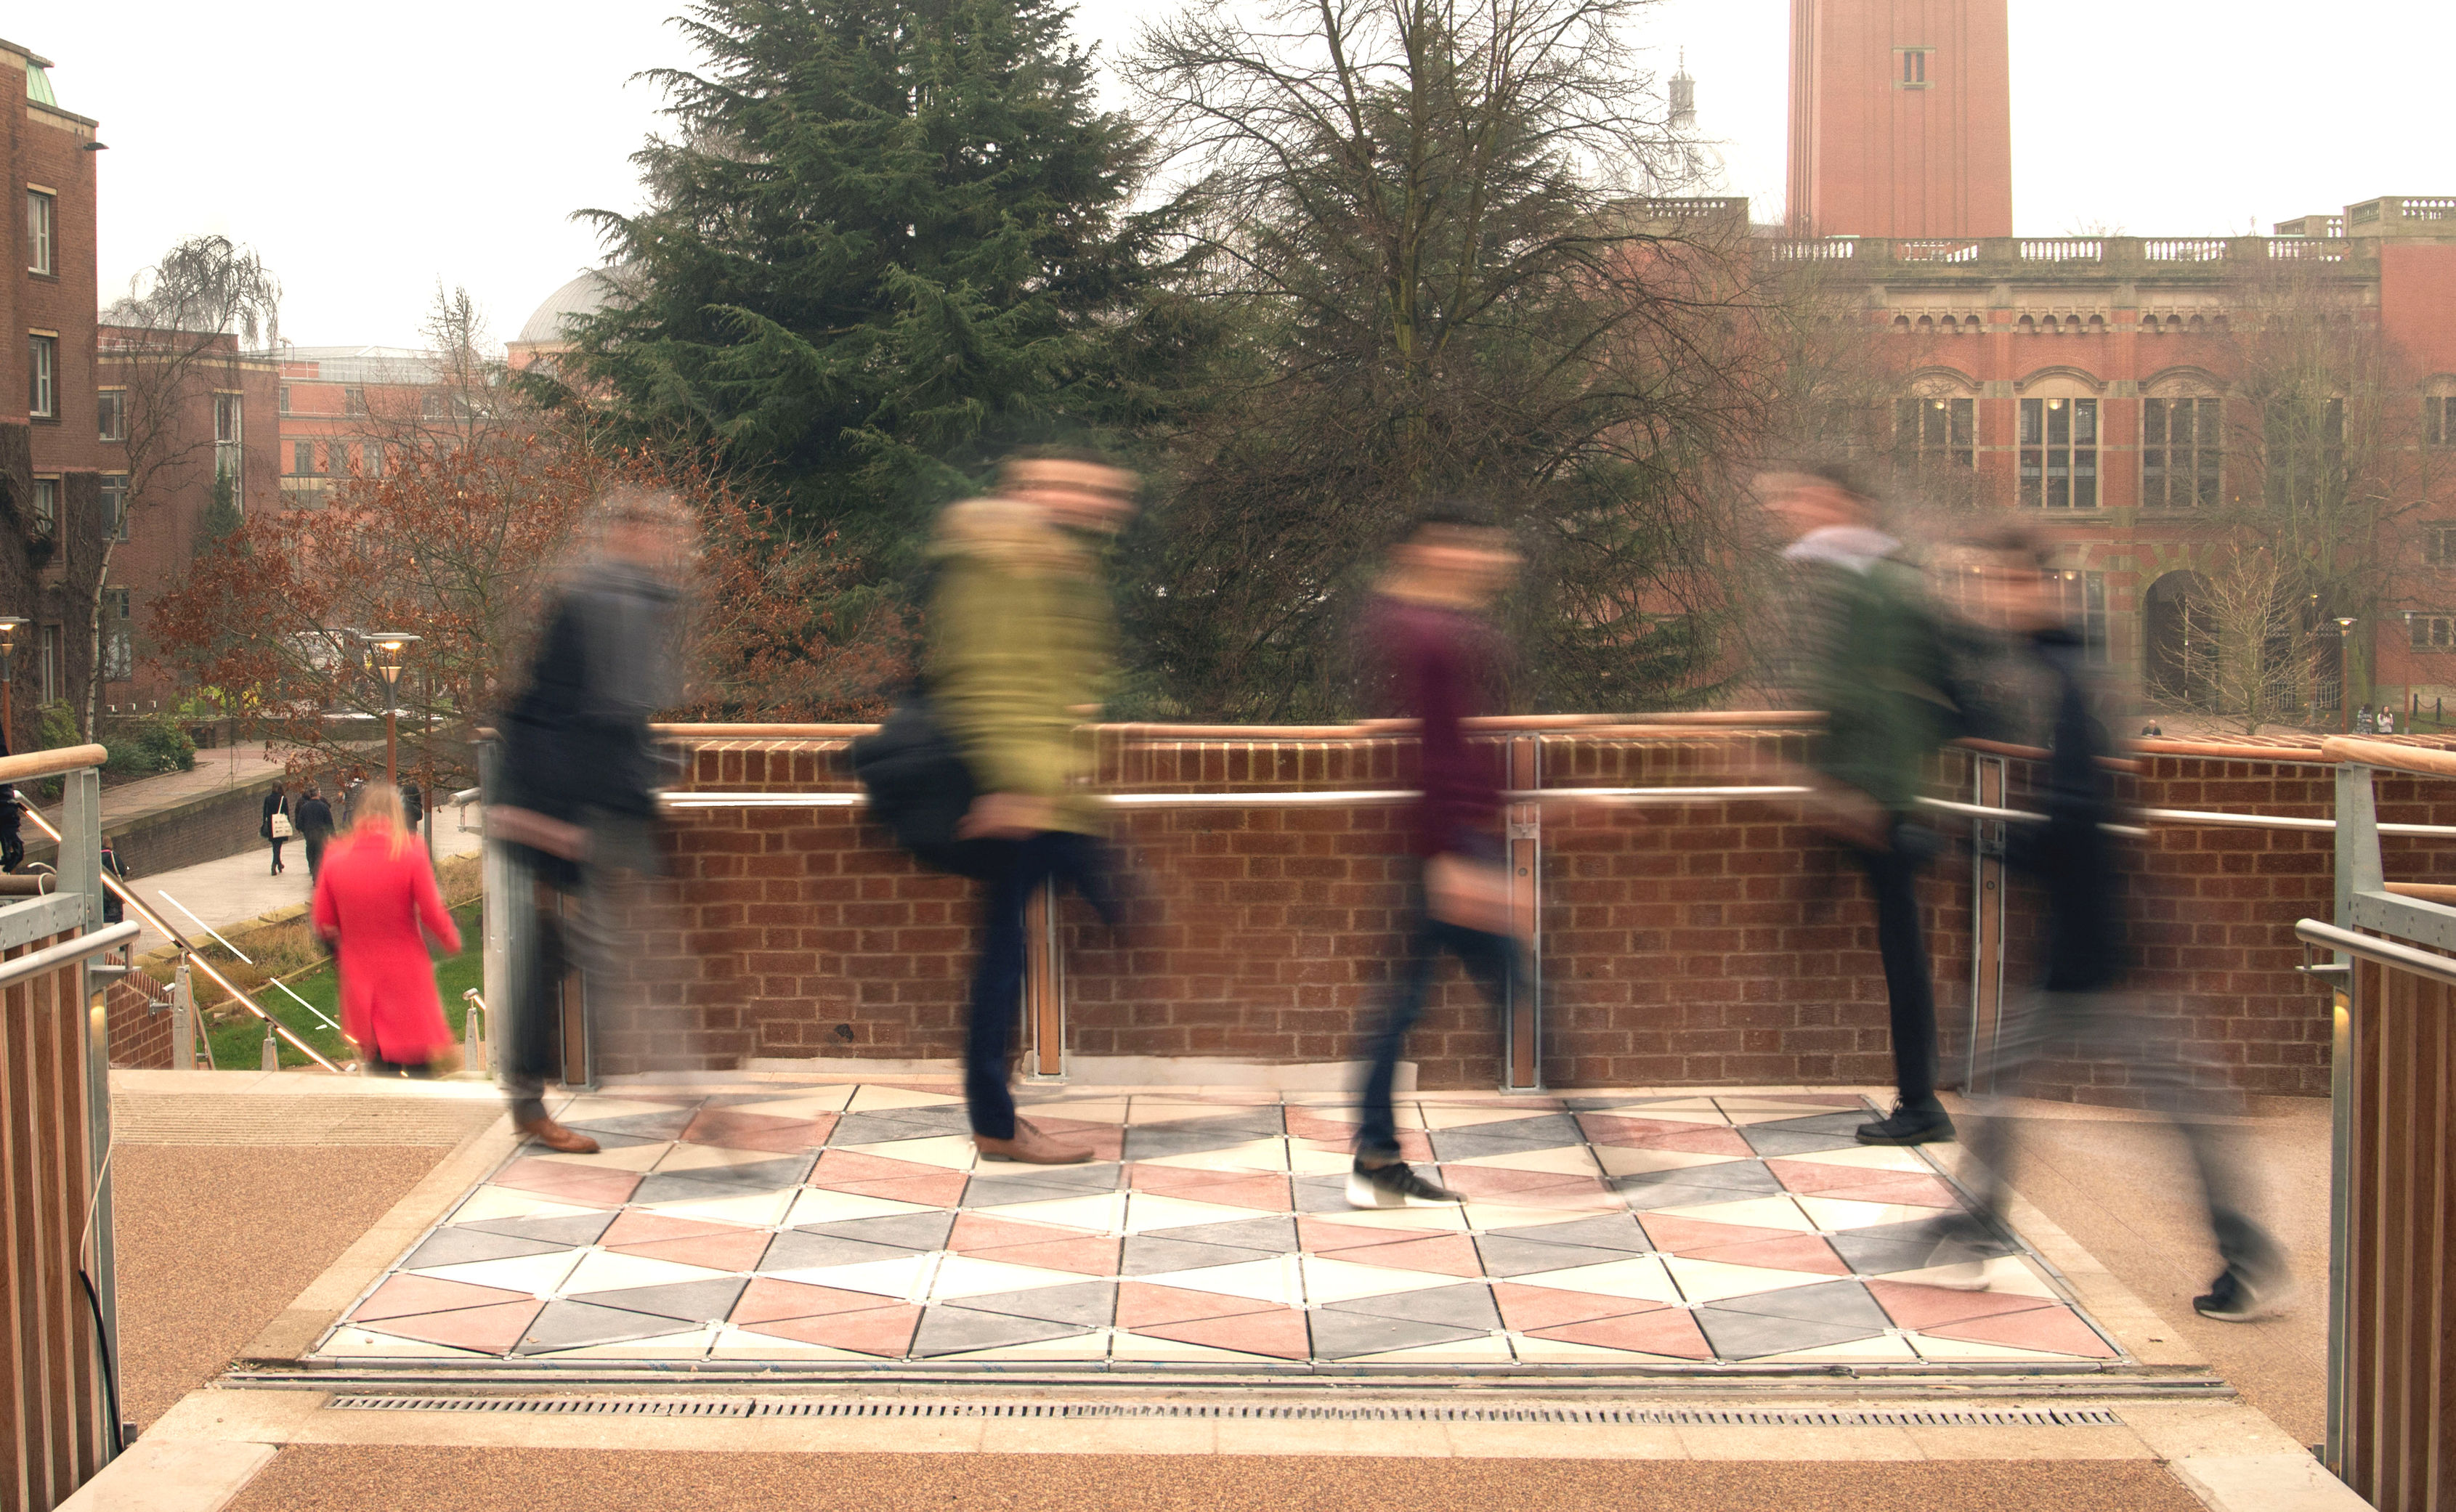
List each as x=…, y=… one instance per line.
x=370, y=151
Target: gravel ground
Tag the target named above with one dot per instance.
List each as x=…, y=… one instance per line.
x=338, y=1478
x=216, y=1240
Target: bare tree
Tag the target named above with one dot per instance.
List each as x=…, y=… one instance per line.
x=173, y=339
x=2247, y=636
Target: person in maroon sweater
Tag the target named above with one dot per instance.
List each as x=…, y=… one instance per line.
x=1442, y=655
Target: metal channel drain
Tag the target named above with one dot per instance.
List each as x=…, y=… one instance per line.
x=1611, y=1417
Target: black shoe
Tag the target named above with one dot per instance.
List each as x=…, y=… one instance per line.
x=1395, y=1186
x=1906, y=1125
x=2235, y=1297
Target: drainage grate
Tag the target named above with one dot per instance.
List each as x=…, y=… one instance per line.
x=1609, y=1416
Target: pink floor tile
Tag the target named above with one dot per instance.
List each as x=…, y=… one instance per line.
x=735, y=1130
x=1675, y=1236
x=1496, y=1181
x=1233, y=1188
x=1654, y=1133
x=717, y=1252
x=836, y=1167
x=406, y=1295
x=768, y=1299
x=1907, y=1190
x=1093, y=1254
x=1140, y=1304
x=1928, y=1307
x=565, y=1182
x=636, y=1226
x=1665, y=1331
x=1443, y=1254
x=488, y=1329
x=943, y=1190
x=1279, y=1333
x=978, y=1231
x=883, y=1330
x=1529, y=1308
x=1810, y=1178
x=2054, y=1328
x=1317, y=1236
x=1792, y=1251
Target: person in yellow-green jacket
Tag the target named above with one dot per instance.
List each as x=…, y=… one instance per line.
x=1022, y=639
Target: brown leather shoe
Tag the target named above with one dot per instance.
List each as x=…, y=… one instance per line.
x=558, y=1139
x=1031, y=1147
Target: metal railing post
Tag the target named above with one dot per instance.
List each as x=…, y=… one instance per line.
x=1990, y=779
x=1521, y=1050
x=2358, y=870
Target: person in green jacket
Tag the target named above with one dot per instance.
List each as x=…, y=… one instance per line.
x=1022, y=639
x=1879, y=667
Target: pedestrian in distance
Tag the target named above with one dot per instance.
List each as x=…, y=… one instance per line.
x=1879, y=667
x=413, y=803
x=376, y=904
x=1429, y=620
x=1022, y=639
x=277, y=825
x=12, y=819
x=2082, y=995
x=315, y=821
x=580, y=771
x=112, y=908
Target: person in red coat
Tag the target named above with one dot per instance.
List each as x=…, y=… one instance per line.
x=374, y=891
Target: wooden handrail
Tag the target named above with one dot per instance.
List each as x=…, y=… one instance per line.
x=2418, y=759
x=51, y=763
x=2426, y=891
x=2224, y=752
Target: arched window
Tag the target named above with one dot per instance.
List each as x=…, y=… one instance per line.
x=2217, y=324
x=1901, y=325
x=2058, y=445
x=2174, y=325
x=2182, y=447
x=2149, y=325
x=1938, y=428
x=2199, y=325
x=2098, y=325
x=2028, y=326
x=1927, y=325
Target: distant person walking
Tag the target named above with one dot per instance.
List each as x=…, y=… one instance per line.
x=1879, y=668
x=277, y=827
x=2081, y=997
x=112, y=908
x=1022, y=639
x=375, y=893
x=580, y=771
x=1428, y=619
x=315, y=821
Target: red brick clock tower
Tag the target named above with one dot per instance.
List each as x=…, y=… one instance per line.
x=1901, y=119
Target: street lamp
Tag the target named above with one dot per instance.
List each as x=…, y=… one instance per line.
x=2345, y=674
x=9, y=625
x=384, y=649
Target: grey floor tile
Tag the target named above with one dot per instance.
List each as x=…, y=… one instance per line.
x=1888, y=1247
x=794, y=1250
x=1511, y=1256
x=898, y=1123
x=1868, y=1257
x=1836, y=1302
x=911, y=1231
x=1344, y=1335
x=1152, y=1254
x=641, y=1127
x=710, y=1186
x=578, y=1228
x=690, y=1301
x=459, y=1246
x=574, y=1325
x=1773, y=1139
x=1747, y=1336
x=1276, y=1235
x=1844, y=1121
x=1468, y=1305
x=1613, y=1231
x=1746, y=1177
x=1043, y=1184
x=1548, y=1132
x=1093, y=1304
x=949, y=1330
x=1326, y=1193
x=1650, y=1197
x=1252, y=1121
x=1153, y=1141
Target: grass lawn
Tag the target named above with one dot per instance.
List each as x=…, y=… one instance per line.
x=240, y=1044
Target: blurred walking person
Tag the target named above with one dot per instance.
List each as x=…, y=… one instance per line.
x=2081, y=995
x=1022, y=639
x=1880, y=670
x=576, y=805
x=315, y=821
x=376, y=904
x=1429, y=621
x=277, y=825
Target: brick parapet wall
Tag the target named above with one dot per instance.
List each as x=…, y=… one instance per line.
x=138, y=1033
x=1710, y=942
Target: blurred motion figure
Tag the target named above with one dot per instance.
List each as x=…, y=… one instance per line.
x=375, y=892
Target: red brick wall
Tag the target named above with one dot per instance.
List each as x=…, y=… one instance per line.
x=139, y=1035
x=1723, y=942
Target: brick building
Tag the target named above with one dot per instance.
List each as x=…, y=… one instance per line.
x=342, y=405
x=2094, y=382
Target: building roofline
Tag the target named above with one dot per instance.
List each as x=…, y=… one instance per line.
x=26, y=53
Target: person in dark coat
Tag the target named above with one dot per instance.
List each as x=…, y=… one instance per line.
x=315, y=819
x=276, y=802
x=112, y=908
x=2082, y=990
x=577, y=801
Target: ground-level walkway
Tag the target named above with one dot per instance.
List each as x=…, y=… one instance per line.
x=2137, y=1420
x=243, y=887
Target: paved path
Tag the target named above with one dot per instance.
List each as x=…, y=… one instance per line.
x=215, y=771
x=241, y=886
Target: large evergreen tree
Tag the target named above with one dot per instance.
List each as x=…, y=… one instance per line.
x=887, y=242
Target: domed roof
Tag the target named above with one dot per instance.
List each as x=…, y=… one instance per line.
x=583, y=295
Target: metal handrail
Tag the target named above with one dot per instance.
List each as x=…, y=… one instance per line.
x=51, y=958
x=1261, y=800
x=2387, y=952
x=187, y=948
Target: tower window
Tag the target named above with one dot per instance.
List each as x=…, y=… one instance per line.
x=1913, y=74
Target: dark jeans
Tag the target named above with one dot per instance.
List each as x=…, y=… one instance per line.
x=1051, y=858
x=316, y=842
x=2177, y=1084
x=276, y=854
x=1909, y=991
x=1496, y=961
x=527, y=1030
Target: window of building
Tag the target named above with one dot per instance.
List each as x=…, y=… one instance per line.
x=228, y=439
x=47, y=509
x=282, y=398
x=1936, y=432
x=1914, y=61
x=118, y=636
x=430, y=406
x=110, y=414
x=371, y=455
x=115, y=506
x=46, y=664
x=302, y=457
x=337, y=458
x=2438, y=419
x=2082, y=596
x=42, y=231
x=43, y=377
x=2432, y=632
x=353, y=400
x=2059, y=453
x=2439, y=545
x=2182, y=448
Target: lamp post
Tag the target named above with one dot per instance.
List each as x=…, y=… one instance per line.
x=2345, y=674
x=384, y=648
x=9, y=625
